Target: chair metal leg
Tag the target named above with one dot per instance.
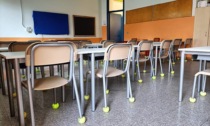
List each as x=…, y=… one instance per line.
x=23, y=72
x=104, y=91
x=173, y=56
x=2, y=77
x=199, y=78
x=107, y=84
x=30, y=94
x=170, y=67
x=54, y=92
x=42, y=72
x=73, y=91
x=194, y=85
x=139, y=73
x=204, y=84
x=129, y=85
x=63, y=87
x=145, y=65
x=35, y=74
x=59, y=69
x=77, y=96
x=10, y=89
x=51, y=71
x=161, y=66
x=151, y=69
x=86, y=87
x=68, y=69
x=63, y=94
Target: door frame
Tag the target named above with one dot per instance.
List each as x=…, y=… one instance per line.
x=108, y=18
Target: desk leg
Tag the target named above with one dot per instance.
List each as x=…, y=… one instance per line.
x=199, y=77
x=133, y=64
x=19, y=93
x=10, y=90
x=2, y=77
x=156, y=48
x=81, y=82
x=181, y=75
x=92, y=82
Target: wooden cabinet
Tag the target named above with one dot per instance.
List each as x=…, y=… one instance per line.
x=201, y=36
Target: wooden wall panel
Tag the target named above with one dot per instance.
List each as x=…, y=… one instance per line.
x=184, y=8
x=164, y=11
x=175, y=9
x=139, y=15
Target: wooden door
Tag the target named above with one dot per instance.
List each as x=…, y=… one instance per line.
x=201, y=27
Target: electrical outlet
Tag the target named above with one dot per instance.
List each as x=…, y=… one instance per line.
x=29, y=29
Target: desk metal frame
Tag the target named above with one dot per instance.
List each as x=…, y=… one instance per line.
x=195, y=50
x=15, y=56
x=92, y=51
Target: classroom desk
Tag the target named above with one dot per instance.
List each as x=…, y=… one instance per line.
x=94, y=45
x=21, y=55
x=203, y=51
x=15, y=56
x=3, y=49
x=91, y=51
x=156, y=45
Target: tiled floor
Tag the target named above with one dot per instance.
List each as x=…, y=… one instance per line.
x=156, y=104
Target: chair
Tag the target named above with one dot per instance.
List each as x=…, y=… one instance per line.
x=107, y=43
x=133, y=41
x=112, y=53
x=188, y=42
x=175, y=45
x=165, y=52
x=102, y=41
x=156, y=39
x=144, y=46
x=40, y=54
x=202, y=93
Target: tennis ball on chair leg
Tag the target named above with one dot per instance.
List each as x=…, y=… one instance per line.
x=192, y=100
x=153, y=77
x=140, y=81
x=55, y=106
x=106, y=109
x=87, y=97
x=203, y=93
x=82, y=120
x=132, y=99
x=107, y=91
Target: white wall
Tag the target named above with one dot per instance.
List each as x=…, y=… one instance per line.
x=11, y=22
